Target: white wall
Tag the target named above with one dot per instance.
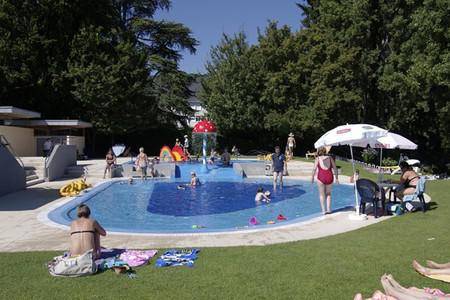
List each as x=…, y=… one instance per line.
x=77, y=141
x=21, y=139
x=12, y=176
x=62, y=157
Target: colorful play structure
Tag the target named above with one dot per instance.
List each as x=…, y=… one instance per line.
x=174, y=154
x=203, y=128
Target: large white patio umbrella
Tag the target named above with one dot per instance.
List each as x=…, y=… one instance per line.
x=389, y=141
x=351, y=134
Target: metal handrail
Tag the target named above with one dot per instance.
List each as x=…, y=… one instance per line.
x=4, y=142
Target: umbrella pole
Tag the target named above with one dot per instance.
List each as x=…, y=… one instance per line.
x=380, y=174
x=354, y=182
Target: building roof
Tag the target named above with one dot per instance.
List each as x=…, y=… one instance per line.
x=195, y=89
x=11, y=112
x=61, y=124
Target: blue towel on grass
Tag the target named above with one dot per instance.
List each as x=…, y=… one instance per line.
x=173, y=257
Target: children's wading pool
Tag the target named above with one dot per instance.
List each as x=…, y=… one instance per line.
x=222, y=202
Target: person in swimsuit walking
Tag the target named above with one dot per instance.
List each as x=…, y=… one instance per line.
x=324, y=167
x=142, y=163
x=110, y=162
x=278, y=160
x=186, y=146
x=290, y=146
x=85, y=233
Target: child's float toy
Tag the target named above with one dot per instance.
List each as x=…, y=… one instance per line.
x=73, y=188
x=176, y=154
x=281, y=218
x=253, y=221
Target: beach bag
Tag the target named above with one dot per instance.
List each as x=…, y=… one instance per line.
x=394, y=209
x=74, y=266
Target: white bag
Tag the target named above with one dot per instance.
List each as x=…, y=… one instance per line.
x=74, y=266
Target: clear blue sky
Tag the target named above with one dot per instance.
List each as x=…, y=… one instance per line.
x=208, y=19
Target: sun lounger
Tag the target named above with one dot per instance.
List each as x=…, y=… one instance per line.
x=310, y=154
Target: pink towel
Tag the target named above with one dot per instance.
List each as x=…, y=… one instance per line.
x=136, y=258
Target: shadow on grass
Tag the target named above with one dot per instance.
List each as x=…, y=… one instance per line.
x=432, y=205
x=28, y=199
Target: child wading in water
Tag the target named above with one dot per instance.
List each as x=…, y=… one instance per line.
x=262, y=196
x=194, y=182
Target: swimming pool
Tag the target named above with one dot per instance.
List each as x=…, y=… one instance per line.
x=224, y=202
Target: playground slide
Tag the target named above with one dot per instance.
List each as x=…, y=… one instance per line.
x=166, y=154
x=176, y=154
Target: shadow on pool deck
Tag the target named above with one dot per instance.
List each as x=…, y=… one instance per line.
x=28, y=199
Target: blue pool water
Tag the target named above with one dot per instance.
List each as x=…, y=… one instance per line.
x=223, y=202
x=211, y=198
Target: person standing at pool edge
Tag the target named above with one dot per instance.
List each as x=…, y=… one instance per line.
x=324, y=166
x=47, y=148
x=110, y=162
x=186, y=146
x=278, y=159
x=142, y=163
x=290, y=145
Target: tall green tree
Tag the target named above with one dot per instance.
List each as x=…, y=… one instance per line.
x=232, y=89
x=105, y=61
x=380, y=62
x=416, y=77
x=162, y=41
x=110, y=84
x=35, y=39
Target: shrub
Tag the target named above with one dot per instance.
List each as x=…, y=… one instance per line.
x=369, y=155
x=389, y=161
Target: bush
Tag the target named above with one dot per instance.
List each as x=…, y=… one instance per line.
x=389, y=161
x=369, y=155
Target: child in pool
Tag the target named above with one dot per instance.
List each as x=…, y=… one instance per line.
x=194, y=182
x=262, y=196
x=130, y=181
x=194, y=179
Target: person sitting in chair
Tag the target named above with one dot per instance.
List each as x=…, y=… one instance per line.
x=408, y=181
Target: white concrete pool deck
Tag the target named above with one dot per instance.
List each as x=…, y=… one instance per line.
x=21, y=215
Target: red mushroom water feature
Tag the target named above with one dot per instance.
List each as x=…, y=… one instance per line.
x=204, y=128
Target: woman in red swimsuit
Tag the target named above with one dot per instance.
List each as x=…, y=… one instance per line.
x=324, y=166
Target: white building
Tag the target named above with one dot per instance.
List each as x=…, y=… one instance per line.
x=195, y=104
x=26, y=133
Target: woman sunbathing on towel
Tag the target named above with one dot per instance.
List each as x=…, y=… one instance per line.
x=85, y=233
x=433, y=268
x=394, y=291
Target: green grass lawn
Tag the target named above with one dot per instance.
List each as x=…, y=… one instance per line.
x=334, y=267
